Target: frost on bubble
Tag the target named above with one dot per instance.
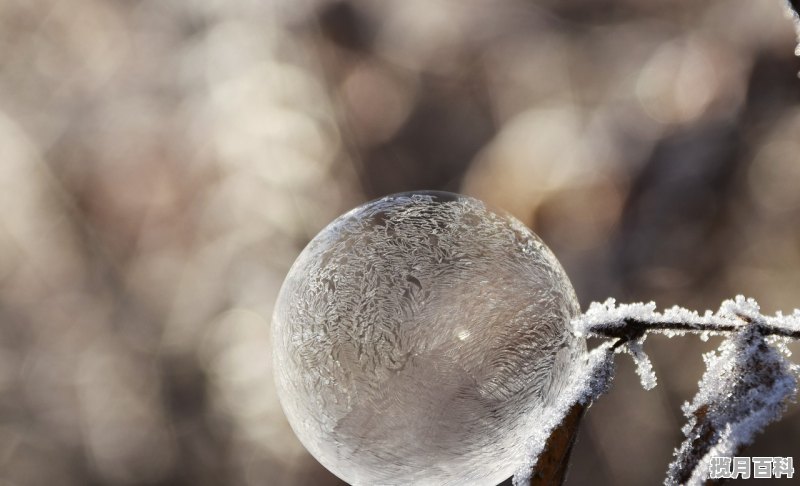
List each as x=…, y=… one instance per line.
x=419, y=338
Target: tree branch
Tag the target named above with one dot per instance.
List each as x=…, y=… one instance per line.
x=746, y=386
x=551, y=467
x=633, y=329
x=747, y=383
x=795, y=5
x=629, y=322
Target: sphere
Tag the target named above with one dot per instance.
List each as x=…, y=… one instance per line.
x=418, y=338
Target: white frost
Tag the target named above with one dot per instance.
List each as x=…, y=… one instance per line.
x=585, y=385
x=796, y=18
x=644, y=368
x=602, y=319
x=746, y=386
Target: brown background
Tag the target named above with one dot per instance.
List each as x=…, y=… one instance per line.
x=163, y=162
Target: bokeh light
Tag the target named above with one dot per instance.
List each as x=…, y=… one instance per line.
x=164, y=162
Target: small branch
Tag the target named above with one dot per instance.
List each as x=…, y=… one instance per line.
x=551, y=441
x=632, y=329
x=551, y=467
x=629, y=322
x=746, y=386
x=702, y=435
x=793, y=7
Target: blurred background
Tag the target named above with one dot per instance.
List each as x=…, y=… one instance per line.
x=162, y=163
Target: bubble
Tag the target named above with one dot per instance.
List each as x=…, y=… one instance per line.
x=418, y=338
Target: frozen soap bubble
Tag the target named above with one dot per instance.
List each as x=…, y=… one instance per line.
x=418, y=338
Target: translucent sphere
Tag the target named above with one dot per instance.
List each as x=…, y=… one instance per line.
x=418, y=338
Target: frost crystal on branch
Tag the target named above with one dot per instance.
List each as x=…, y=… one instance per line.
x=630, y=321
x=644, y=368
x=585, y=385
x=746, y=386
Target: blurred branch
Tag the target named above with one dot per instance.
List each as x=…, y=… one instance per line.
x=794, y=9
x=795, y=5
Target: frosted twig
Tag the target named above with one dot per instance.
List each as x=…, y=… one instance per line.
x=747, y=384
x=630, y=321
x=746, y=387
x=644, y=368
x=589, y=382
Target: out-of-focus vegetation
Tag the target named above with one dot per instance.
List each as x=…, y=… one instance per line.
x=163, y=162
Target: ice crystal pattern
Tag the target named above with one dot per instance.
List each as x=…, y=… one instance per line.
x=419, y=339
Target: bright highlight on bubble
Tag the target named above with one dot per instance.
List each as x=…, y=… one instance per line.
x=419, y=338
